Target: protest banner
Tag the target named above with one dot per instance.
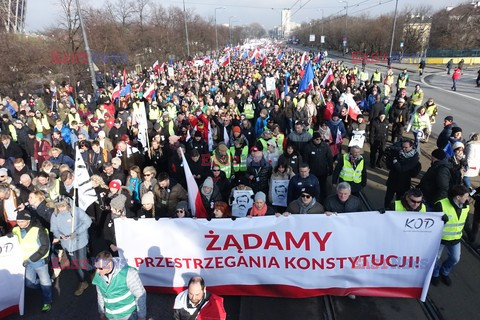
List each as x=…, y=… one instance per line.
x=270, y=83
x=279, y=192
x=86, y=193
x=242, y=201
x=12, y=275
x=358, y=138
x=361, y=253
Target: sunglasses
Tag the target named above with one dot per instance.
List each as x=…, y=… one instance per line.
x=416, y=202
x=216, y=170
x=180, y=211
x=306, y=196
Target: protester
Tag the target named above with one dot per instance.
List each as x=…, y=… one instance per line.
x=351, y=168
x=305, y=203
x=343, y=201
x=412, y=200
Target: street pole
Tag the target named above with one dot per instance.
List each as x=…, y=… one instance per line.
x=216, y=34
x=346, y=24
x=186, y=28
x=393, y=30
x=87, y=49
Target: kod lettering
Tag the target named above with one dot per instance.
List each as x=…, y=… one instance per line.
x=419, y=223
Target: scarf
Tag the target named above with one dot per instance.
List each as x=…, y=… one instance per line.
x=408, y=154
x=207, y=195
x=304, y=208
x=258, y=212
x=324, y=133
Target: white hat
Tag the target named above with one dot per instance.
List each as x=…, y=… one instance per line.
x=457, y=145
x=101, y=134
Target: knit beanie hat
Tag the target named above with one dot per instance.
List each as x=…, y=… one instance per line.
x=438, y=154
x=260, y=196
x=148, y=198
x=208, y=182
x=118, y=203
x=182, y=205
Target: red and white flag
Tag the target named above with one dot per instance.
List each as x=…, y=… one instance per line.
x=194, y=196
x=353, y=109
x=116, y=92
x=156, y=66
x=225, y=60
x=303, y=59
x=124, y=77
x=327, y=79
x=149, y=91
x=162, y=67
x=338, y=138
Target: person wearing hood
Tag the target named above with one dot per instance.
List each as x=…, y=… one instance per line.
x=48, y=183
x=299, y=136
x=319, y=158
x=210, y=195
x=305, y=203
x=258, y=172
x=436, y=181
x=35, y=244
x=292, y=157
x=71, y=229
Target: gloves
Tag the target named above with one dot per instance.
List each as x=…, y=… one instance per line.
x=445, y=218
x=73, y=235
x=381, y=210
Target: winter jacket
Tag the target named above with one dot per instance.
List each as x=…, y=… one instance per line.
x=297, y=183
x=356, y=187
x=436, y=181
x=336, y=126
x=472, y=153
x=319, y=158
x=42, y=214
x=299, y=140
x=444, y=136
x=294, y=160
x=294, y=207
x=399, y=176
x=170, y=197
x=353, y=204
x=62, y=159
x=261, y=172
x=379, y=131
x=287, y=175
x=61, y=224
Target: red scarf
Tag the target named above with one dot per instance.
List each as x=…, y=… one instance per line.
x=258, y=212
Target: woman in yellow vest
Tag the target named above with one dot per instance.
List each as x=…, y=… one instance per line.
x=35, y=244
x=456, y=208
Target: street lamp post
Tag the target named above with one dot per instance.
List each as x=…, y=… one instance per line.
x=186, y=28
x=87, y=49
x=216, y=34
x=346, y=23
x=230, y=27
x=393, y=31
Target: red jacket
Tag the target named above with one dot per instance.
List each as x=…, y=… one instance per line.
x=456, y=74
x=43, y=147
x=213, y=310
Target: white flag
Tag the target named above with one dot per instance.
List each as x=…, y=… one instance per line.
x=226, y=138
x=210, y=138
x=85, y=192
x=142, y=126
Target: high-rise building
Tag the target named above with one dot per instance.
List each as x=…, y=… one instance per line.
x=12, y=15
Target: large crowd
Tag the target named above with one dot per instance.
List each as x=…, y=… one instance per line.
x=235, y=135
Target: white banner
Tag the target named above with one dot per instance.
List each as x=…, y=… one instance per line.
x=362, y=253
x=270, y=84
x=12, y=275
x=242, y=201
x=279, y=192
x=85, y=193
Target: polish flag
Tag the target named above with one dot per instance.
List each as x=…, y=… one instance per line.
x=225, y=60
x=124, y=77
x=303, y=59
x=116, y=92
x=162, y=67
x=328, y=78
x=194, y=196
x=264, y=61
x=149, y=91
x=156, y=66
x=353, y=109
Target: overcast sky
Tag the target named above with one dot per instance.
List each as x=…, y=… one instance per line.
x=43, y=13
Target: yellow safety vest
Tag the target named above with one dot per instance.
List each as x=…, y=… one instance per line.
x=348, y=174
x=41, y=124
x=376, y=76
x=55, y=192
x=417, y=122
x=154, y=114
x=399, y=207
x=225, y=167
x=264, y=143
x=137, y=107
x=13, y=132
x=73, y=118
x=452, y=230
x=402, y=84
x=363, y=76
x=171, y=130
x=172, y=111
x=416, y=99
x=280, y=139
x=239, y=164
x=248, y=111
x=29, y=243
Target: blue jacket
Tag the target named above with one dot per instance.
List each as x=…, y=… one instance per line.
x=65, y=131
x=260, y=125
x=61, y=223
x=63, y=159
x=335, y=126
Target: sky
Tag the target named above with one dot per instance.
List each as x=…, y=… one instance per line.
x=43, y=13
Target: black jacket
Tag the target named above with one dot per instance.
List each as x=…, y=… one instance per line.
x=436, y=181
x=353, y=204
x=375, y=111
x=379, y=131
x=444, y=136
x=261, y=176
x=294, y=160
x=399, y=176
x=398, y=116
x=319, y=158
x=42, y=214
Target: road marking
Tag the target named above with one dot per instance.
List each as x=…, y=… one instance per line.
x=449, y=91
x=443, y=106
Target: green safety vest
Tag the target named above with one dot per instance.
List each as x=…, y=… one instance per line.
x=417, y=122
x=310, y=131
x=239, y=164
x=248, y=111
x=29, y=243
x=171, y=130
x=348, y=174
x=399, y=206
x=415, y=97
x=452, y=230
x=227, y=168
x=119, y=301
x=376, y=77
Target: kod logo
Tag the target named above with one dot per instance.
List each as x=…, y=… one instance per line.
x=419, y=223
